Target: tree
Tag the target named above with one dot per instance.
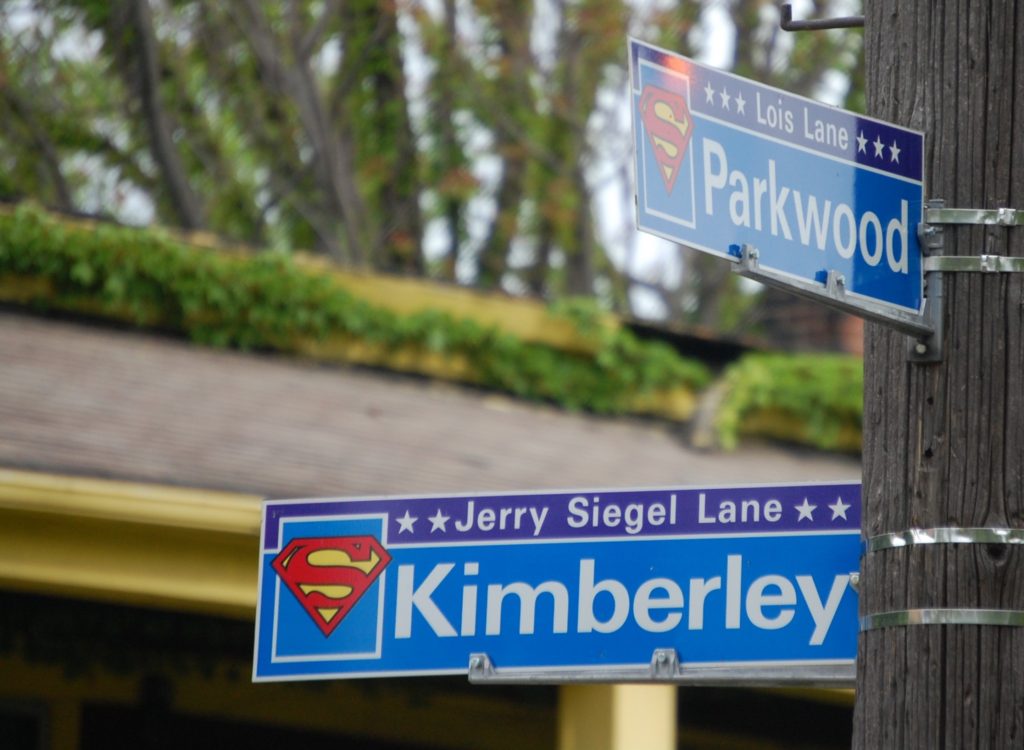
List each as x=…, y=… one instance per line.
x=814, y=65
x=469, y=140
x=944, y=442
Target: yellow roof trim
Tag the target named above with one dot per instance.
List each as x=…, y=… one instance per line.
x=130, y=543
x=130, y=502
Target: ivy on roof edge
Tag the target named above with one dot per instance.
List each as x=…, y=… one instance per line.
x=811, y=399
x=267, y=301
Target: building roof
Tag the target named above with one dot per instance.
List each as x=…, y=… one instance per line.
x=158, y=415
x=82, y=399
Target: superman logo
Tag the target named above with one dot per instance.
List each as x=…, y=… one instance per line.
x=328, y=575
x=669, y=126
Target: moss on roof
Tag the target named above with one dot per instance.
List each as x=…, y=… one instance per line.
x=570, y=354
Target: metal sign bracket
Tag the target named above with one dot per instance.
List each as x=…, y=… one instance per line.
x=666, y=667
x=929, y=348
x=830, y=287
x=926, y=328
x=787, y=23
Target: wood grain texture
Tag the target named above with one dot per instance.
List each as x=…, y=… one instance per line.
x=944, y=443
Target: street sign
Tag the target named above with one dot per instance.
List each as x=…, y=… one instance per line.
x=820, y=200
x=731, y=585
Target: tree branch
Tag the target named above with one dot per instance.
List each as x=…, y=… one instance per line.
x=139, y=19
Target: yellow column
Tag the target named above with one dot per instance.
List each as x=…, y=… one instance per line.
x=65, y=723
x=617, y=717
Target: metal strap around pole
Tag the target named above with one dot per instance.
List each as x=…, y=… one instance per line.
x=1013, y=618
x=973, y=263
x=928, y=348
x=943, y=616
x=943, y=535
x=1006, y=217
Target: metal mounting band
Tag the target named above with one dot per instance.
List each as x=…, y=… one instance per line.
x=974, y=263
x=832, y=286
x=951, y=535
x=667, y=667
x=1013, y=618
x=1006, y=217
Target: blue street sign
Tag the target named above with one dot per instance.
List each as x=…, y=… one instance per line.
x=824, y=195
x=568, y=585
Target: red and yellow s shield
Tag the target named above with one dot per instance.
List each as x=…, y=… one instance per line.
x=328, y=575
x=669, y=126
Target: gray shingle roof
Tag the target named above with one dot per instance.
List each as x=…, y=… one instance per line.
x=80, y=399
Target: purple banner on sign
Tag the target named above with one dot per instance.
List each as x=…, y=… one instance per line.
x=586, y=514
x=793, y=119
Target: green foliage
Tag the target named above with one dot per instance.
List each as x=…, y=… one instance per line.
x=817, y=398
x=268, y=301
x=585, y=313
x=362, y=129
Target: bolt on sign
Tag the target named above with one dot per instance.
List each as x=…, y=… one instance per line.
x=563, y=586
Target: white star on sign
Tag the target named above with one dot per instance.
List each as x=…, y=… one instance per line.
x=710, y=93
x=725, y=99
x=877, y=143
x=895, y=151
x=405, y=522
x=741, y=104
x=438, y=521
x=839, y=509
x=862, y=142
x=806, y=510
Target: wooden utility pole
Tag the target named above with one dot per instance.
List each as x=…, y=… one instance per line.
x=944, y=442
